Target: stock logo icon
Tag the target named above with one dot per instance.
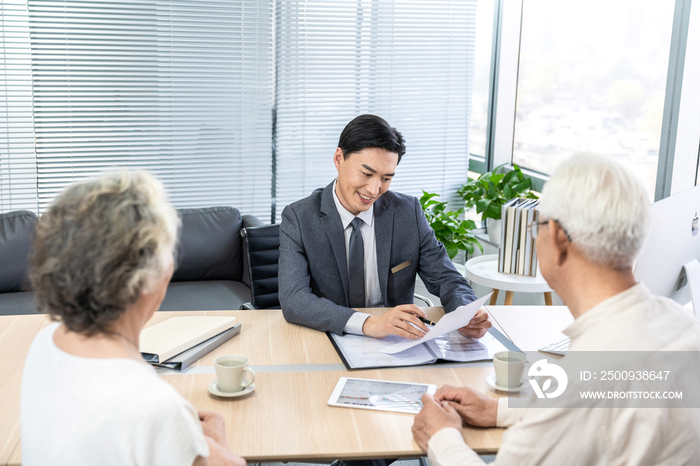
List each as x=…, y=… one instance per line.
x=543, y=369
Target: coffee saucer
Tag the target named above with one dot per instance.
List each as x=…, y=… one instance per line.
x=491, y=382
x=214, y=390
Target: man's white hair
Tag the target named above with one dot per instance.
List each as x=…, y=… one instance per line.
x=602, y=205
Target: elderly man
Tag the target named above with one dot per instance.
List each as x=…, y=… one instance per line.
x=595, y=218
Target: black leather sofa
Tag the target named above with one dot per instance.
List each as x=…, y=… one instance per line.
x=212, y=271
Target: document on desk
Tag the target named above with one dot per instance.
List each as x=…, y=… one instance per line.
x=456, y=347
x=448, y=323
x=361, y=352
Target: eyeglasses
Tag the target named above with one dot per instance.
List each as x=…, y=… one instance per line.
x=533, y=227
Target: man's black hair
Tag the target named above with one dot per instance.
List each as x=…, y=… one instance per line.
x=371, y=131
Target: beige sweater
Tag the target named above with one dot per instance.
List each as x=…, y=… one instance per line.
x=633, y=320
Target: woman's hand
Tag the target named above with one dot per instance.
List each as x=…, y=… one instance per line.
x=220, y=454
x=214, y=426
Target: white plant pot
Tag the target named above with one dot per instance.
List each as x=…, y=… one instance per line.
x=493, y=228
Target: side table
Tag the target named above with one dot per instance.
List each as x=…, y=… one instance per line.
x=484, y=271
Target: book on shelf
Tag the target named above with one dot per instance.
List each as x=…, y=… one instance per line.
x=533, y=265
x=507, y=214
x=529, y=242
x=516, y=254
x=513, y=240
x=517, y=230
x=501, y=248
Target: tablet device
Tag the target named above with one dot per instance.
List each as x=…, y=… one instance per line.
x=380, y=395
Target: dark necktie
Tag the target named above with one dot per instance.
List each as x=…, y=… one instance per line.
x=356, y=265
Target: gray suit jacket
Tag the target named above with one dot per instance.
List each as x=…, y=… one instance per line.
x=313, y=272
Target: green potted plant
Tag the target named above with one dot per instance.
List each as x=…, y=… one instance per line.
x=493, y=189
x=455, y=234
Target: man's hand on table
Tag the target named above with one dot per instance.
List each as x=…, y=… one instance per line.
x=433, y=417
x=473, y=407
x=397, y=322
x=478, y=326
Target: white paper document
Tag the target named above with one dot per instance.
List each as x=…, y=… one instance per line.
x=365, y=352
x=448, y=323
x=456, y=347
x=362, y=351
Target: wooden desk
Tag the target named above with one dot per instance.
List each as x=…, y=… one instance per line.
x=287, y=416
x=297, y=424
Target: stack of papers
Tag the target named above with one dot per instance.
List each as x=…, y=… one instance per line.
x=442, y=341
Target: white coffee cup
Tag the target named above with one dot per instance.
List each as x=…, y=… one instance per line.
x=231, y=371
x=509, y=366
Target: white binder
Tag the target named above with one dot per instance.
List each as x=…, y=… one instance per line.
x=162, y=341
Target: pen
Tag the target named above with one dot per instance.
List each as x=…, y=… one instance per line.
x=426, y=321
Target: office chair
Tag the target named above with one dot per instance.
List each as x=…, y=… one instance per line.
x=427, y=301
x=261, y=262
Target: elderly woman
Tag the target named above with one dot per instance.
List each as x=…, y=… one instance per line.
x=102, y=259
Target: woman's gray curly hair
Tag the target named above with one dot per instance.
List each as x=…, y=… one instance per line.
x=102, y=242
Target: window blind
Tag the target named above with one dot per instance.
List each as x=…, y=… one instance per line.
x=182, y=89
x=17, y=162
x=408, y=61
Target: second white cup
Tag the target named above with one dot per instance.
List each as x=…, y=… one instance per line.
x=231, y=371
x=509, y=367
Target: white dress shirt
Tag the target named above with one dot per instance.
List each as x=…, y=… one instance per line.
x=373, y=295
x=633, y=320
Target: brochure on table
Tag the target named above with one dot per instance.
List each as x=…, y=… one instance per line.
x=442, y=343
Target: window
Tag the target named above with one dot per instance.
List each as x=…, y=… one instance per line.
x=482, y=78
x=241, y=102
x=180, y=88
x=592, y=78
x=17, y=162
x=407, y=61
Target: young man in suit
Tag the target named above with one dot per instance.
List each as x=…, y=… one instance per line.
x=355, y=244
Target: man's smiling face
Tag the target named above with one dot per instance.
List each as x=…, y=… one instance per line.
x=363, y=176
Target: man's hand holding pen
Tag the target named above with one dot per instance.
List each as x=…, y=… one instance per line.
x=409, y=321
x=403, y=321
